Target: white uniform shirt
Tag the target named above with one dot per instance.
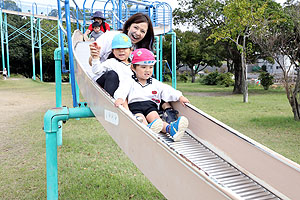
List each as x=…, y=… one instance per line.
x=154, y=90
x=122, y=69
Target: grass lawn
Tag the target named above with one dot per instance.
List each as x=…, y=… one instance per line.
x=92, y=166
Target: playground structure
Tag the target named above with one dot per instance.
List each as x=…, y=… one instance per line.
x=115, y=11
x=212, y=161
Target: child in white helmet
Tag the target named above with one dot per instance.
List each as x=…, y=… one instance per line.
x=145, y=94
x=115, y=70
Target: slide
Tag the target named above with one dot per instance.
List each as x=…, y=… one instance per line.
x=212, y=161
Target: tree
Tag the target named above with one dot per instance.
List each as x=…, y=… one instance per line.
x=207, y=15
x=11, y=5
x=280, y=39
x=194, y=51
x=237, y=28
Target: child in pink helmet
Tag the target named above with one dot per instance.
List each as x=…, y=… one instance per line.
x=145, y=94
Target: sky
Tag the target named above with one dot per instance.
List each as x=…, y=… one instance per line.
x=173, y=3
x=53, y=3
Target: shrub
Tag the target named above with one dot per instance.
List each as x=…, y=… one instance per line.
x=225, y=79
x=266, y=80
x=183, y=78
x=211, y=79
x=167, y=77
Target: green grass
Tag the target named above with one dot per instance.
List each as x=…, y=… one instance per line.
x=92, y=166
x=266, y=118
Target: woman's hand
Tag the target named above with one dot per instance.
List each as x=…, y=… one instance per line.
x=95, y=50
x=183, y=100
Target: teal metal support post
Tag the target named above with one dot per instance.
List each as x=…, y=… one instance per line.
x=51, y=126
x=40, y=49
x=157, y=56
x=2, y=40
x=174, y=79
x=7, y=49
x=58, y=60
x=32, y=47
x=161, y=58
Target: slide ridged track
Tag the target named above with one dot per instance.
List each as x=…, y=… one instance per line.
x=217, y=168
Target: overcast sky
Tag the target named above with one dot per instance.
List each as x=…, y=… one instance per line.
x=172, y=3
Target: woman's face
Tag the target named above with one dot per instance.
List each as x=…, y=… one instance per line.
x=97, y=19
x=137, y=32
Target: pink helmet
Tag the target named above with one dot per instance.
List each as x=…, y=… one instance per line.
x=143, y=56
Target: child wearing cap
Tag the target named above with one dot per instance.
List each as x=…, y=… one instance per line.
x=115, y=70
x=145, y=94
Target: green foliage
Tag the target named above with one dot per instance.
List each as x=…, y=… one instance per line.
x=183, y=78
x=225, y=79
x=216, y=78
x=167, y=77
x=211, y=78
x=266, y=80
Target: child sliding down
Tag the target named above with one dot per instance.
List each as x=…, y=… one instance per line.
x=145, y=93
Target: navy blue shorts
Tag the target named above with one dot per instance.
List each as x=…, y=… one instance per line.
x=144, y=107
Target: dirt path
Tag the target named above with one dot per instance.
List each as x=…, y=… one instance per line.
x=20, y=100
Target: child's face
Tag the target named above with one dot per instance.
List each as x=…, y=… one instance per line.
x=122, y=53
x=96, y=29
x=143, y=72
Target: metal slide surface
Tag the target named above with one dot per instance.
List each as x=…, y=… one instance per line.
x=212, y=161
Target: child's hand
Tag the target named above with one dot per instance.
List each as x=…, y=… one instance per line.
x=183, y=100
x=119, y=102
x=95, y=50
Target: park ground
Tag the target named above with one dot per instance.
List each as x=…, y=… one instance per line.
x=91, y=165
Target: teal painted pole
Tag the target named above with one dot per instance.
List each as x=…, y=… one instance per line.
x=2, y=40
x=32, y=48
x=7, y=49
x=58, y=59
x=157, y=57
x=174, y=79
x=51, y=119
x=51, y=126
x=161, y=58
x=40, y=49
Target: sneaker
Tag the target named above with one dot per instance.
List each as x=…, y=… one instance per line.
x=170, y=115
x=178, y=128
x=156, y=126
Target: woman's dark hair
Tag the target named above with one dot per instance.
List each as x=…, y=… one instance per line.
x=147, y=41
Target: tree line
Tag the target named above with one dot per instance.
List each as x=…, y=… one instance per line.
x=240, y=32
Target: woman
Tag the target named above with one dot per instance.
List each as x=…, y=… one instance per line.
x=140, y=30
x=97, y=17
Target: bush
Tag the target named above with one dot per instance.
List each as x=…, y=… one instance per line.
x=225, y=79
x=211, y=79
x=266, y=80
x=167, y=78
x=183, y=78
